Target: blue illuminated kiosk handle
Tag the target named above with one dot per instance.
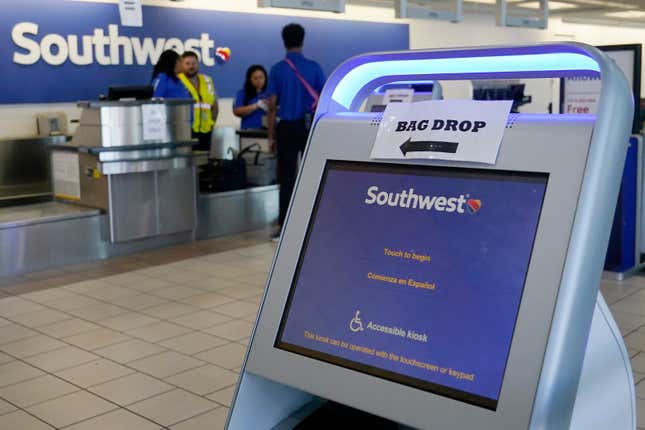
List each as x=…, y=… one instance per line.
x=601, y=389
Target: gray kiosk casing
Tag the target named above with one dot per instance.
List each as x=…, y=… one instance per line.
x=583, y=157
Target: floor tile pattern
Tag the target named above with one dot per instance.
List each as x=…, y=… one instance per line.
x=133, y=346
x=155, y=341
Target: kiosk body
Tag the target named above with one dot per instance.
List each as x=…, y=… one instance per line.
x=533, y=371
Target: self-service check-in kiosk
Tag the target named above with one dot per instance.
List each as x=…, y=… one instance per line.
x=442, y=294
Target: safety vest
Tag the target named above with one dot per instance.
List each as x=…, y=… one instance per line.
x=204, y=99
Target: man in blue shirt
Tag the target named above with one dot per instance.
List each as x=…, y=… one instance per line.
x=294, y=86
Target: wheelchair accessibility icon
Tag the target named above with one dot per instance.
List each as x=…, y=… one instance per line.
x=356, y=325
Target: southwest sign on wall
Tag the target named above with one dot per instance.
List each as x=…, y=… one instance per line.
x=64, y=50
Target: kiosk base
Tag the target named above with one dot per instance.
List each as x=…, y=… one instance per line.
x=334, y=415
x=606, y=380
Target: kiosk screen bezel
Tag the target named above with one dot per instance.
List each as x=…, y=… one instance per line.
x=411, y=170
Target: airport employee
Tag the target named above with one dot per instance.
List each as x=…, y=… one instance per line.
x=294, y=86
x=250, y=103
x=165, y=82
x=202, y=90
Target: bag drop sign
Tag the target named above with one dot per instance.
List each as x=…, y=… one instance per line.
x=459, y=130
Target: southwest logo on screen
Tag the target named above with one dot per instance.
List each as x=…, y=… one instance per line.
x=408, y=199
x=473, y=205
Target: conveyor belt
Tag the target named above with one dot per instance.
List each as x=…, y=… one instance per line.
x=17, y=216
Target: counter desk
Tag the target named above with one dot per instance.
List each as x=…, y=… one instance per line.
x=126, y=182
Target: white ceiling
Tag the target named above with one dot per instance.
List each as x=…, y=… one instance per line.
x=609, y=12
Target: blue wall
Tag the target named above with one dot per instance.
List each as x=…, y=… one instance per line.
x=253, y=38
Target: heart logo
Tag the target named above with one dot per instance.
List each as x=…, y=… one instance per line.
x=222, y=55
x=473, y=205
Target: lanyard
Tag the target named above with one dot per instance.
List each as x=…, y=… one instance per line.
x=303, y=81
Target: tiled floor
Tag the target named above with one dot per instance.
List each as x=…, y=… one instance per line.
x=148, y=347
x=137, y=345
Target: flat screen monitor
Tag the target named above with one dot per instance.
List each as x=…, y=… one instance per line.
x=580, y=95
x=136, y=92
x=514, y=92
x=415, y=274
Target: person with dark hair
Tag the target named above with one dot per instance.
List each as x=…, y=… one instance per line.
x=164, y=80
x=250, y=102
x=294, y=86
x=202, y=91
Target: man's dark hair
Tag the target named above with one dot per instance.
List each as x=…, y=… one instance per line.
x=189, y=54
x=293, y=35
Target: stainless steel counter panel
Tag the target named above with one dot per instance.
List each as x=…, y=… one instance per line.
x=177, y=200
x=144, y=154
x=73, y=236
x=153, y=203
x=94, y=187
x=141, y=198
x=134, y=179
x=114, y=124
x=125, y=115
x=37, y=237
x=141, y=166
x=133, y=209
x=108, y=103
x=42, y=213
x=114, y=136
x=232, y=212
x=25, y=170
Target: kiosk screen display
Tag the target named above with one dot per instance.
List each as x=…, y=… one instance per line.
x=415, y=274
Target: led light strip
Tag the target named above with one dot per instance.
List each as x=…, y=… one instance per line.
x=349, y=86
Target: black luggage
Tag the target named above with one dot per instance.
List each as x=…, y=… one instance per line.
x=222, y=175
x=261, y=167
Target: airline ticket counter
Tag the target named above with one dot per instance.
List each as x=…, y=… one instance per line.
x=125, y=183
x=440, y=264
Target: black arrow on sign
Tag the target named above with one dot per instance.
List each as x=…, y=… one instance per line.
x=428, y=146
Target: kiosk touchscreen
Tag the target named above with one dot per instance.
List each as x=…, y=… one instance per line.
x=426, y=289
x=433, y=293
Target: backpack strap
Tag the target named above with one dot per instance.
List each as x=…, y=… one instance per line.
x=313, y=93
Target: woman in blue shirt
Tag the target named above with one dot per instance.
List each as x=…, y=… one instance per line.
x=250, y=102
x=165, y=82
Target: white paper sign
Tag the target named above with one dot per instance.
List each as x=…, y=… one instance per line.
x=65, y=175
x=581, y=95
x=460, y=130
x=131, y=13
x=154, y=121
x=401, y=95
